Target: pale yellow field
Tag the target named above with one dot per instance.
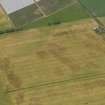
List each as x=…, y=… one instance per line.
x=4, y=23
x=61, y=65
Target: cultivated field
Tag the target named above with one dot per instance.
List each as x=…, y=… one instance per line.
x=72, y=13
x=37, y=10
x=25, y=15
x=53, y=12
x=96, y=6
x=54, y=66
x=49, y=6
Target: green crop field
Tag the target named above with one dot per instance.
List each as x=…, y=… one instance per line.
x=97, y=6
x=54, y=65
x=38, y=10
x=71, y=13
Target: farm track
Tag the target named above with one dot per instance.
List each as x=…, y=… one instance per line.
x=40, y=9
x=81, y=77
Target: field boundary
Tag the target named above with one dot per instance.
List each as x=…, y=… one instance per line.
x=40, y=9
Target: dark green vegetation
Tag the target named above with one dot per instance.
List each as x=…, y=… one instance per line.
x=10, y=30
x=72, y=13
x=98, y=6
